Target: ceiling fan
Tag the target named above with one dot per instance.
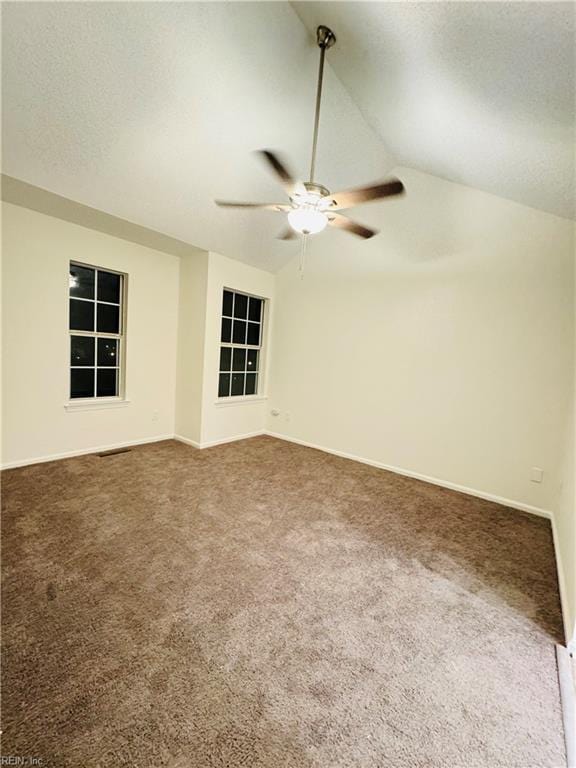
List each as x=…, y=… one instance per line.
x=311, y=205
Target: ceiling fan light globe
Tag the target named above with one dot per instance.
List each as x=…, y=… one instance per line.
x=307, y=221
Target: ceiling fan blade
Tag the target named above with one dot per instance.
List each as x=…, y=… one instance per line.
x=262, y=206
x=351, y=197
x=290, y=184
x=286, y=234
x=341, y=222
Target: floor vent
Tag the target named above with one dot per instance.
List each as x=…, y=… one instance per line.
x=114, y=452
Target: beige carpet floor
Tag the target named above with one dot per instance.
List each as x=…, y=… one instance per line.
x=263, y=604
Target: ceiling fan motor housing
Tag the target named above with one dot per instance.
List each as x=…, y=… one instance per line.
x=316, y=196
x=316, y=188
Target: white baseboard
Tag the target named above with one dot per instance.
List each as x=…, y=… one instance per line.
x=569, y=638
x=127, y=444
x=187, y=440
x=417, y=476
x=568, y=702
x=222, y=441
x=84, y=452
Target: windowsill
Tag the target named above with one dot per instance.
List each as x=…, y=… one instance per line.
x=240, y=400
x=95, y=404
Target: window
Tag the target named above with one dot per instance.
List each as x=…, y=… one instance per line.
x=96, y=332
x=241, y=344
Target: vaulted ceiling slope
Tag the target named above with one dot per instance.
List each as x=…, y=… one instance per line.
x=150, y=111
x=480, y=93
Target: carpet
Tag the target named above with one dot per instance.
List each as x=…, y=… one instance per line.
x=264, y=604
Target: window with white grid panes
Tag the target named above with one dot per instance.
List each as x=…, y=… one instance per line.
x=96, y=325
x=240, y=344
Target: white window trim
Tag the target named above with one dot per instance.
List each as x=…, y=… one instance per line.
x=229, y=400
x=95, y=402
x=240, y=400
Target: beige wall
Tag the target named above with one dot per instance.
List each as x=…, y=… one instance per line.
x=565, y=535
x=191, y=337
x=173, y=330
x=442, y=347
x=565, y=520
x=36, y=252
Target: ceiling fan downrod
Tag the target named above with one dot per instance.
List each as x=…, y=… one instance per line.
x=325, y=39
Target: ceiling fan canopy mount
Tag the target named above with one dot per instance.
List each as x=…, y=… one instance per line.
x=312, y=206
x=325, y=38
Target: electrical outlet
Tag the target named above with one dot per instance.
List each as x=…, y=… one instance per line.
x=536, y=474
x=287, y=416
x=155, y=415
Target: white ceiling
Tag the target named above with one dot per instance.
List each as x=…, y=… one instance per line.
x=480, y=93
x=149, y=111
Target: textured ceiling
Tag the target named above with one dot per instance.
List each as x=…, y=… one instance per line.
x=149, y=111
x=477, y=93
